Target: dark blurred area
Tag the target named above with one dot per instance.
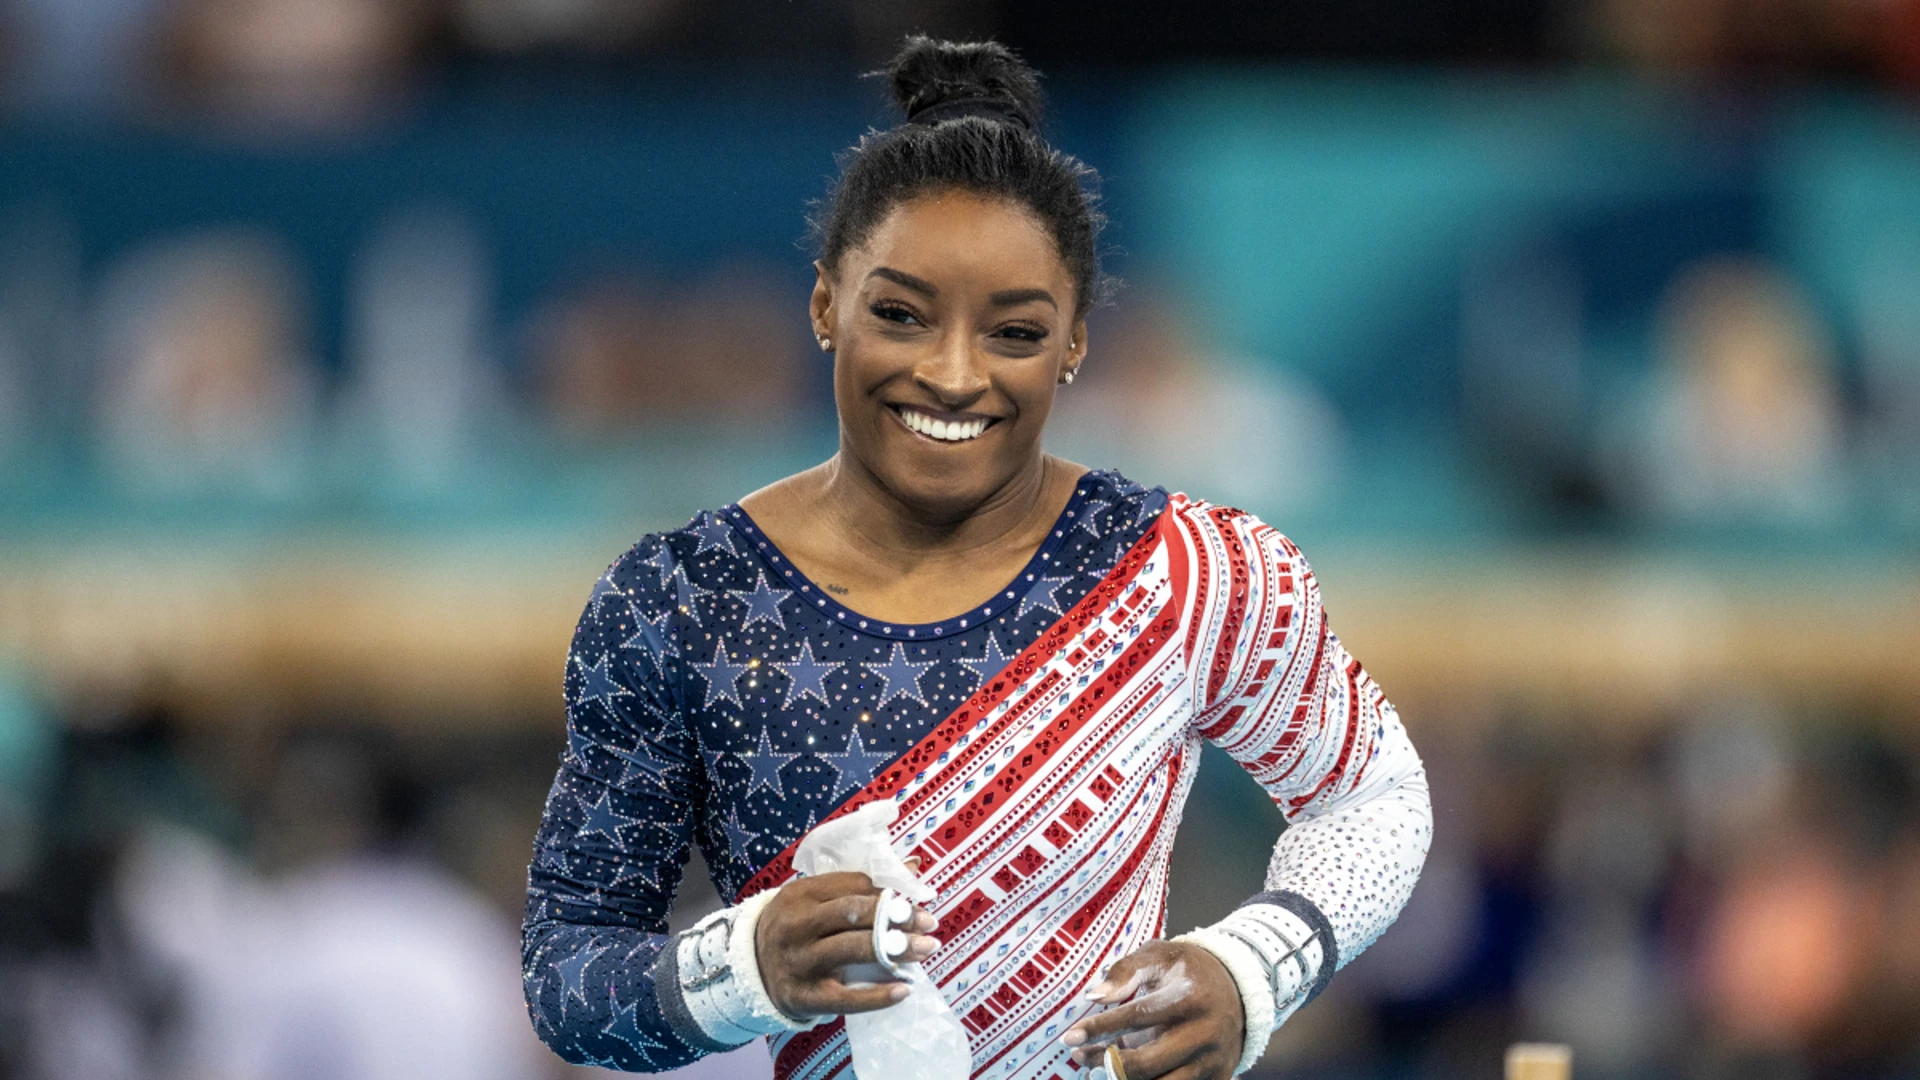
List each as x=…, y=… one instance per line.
x=342, y=343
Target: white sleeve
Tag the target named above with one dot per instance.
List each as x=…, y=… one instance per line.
x=1281, y=695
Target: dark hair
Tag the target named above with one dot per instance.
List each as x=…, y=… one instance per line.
x=972, y=122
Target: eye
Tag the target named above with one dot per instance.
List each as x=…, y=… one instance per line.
x=1029, y=334
x=896, y=313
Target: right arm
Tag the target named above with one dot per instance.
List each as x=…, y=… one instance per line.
x=605, y=983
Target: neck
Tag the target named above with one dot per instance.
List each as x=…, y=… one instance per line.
x=888, y=526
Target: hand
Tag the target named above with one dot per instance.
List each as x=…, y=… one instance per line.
x=815, y=927
x=1182, y=1016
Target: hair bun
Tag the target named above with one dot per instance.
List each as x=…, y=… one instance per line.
x=936, y=80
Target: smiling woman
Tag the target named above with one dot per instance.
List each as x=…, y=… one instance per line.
x=1020, y=655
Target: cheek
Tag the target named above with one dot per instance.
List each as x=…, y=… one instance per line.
x=1032, y=393
x=854, y=381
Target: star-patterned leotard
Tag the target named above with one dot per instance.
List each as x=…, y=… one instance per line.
x=716, y=696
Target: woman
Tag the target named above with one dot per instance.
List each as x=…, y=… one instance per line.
x=1024, y=655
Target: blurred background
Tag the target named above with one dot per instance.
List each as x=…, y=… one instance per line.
x=343, y=343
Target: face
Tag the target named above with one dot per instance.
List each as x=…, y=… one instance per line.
x=951, y=326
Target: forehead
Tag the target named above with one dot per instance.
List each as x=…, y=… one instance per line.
x=964, y=237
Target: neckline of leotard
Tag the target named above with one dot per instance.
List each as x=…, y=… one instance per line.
x=1007, y=596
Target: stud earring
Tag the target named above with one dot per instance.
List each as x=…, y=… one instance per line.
x=1067, y=379
x=826, y=343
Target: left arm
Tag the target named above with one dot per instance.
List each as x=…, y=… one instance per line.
x=1281, y=695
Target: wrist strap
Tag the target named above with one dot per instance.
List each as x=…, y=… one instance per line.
x=1275, y=958
x=718, y=977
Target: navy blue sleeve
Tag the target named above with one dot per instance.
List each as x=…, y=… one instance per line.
x=614, y=839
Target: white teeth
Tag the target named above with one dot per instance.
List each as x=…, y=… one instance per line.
x=944, y=430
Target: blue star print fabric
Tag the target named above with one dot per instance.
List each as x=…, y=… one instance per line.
x=716, y=696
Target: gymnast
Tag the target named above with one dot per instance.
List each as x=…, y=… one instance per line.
x=1021, y=654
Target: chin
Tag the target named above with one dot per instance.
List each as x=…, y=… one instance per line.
x=951, y=488
x=950, y=492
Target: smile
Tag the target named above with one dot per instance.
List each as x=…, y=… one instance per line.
x=952, y=431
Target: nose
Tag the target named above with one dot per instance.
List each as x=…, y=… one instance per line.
x=955, y=373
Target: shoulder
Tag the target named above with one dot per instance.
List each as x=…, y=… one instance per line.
x=1227, y=539
x=660, y=566
x=1119, y=502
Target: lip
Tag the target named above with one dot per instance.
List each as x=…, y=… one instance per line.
x=941, y=414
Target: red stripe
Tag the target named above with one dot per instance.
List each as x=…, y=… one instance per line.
x=1167, y=527
x=1239, y=578
x=1346, y=751
x=1354, y=676
x=1202, y=579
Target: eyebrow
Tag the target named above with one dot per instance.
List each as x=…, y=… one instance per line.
x=901, y=277
x=1010, y=297
x=1003, y=298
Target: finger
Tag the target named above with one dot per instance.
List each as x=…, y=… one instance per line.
x=1180, y=1046
x=1134, y=1015
x=913, y=863
x=829, y=954
x=842, y=913
x=856, y=947
x=1091, y=1050
x=1124, y=1040
x=924, y=921
x=831, y=997
x=919, y=947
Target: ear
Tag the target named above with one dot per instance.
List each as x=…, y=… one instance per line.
x=1077, y=345
x=821, y=307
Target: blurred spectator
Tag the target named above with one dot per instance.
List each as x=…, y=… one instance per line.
x=143, y=949
x=1155, y=400
x=621, y=356
x=1743, y=424
x=303, y=60
x=1785, y=948
x=424, y=393
x=354, y=966
x=73, y=1004
x=205, y=382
